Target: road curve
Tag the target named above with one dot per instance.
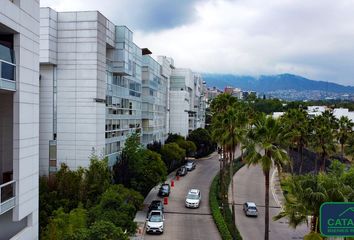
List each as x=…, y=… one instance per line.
x=193, y=224
x=249, y=186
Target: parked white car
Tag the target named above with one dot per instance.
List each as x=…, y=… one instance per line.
x=193, y=198
x=155, y=222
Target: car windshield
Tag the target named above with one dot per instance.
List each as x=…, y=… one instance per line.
x=155, y=218
x=252, y=208
x=189, y=163
x=164, y=187
x=192, y=196
x=155, y=205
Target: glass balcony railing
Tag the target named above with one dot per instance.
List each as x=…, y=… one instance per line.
x=7, y=196
x=7, y=54
x=7, y=69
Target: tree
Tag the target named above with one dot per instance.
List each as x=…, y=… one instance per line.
x=234, y=125
x=173, y=137
x=105, y=230
x=218, y=108
x=263, y=148
x=188, y=146
x=63, y=225
x=306, y=193
x=203, y=141
x=296, y=129
x=147, y=171
x=98, y=178
x=117, y=205
x=172, y=155
x=139, y=168
x=344, y=131
x=155, y=146
x=322, y=137
x=349, y=148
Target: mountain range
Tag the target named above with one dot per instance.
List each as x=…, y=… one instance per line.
x=273, y=83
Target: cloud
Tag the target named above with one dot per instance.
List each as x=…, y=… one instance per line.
x=310, y=38
x=313, y=39
x=146, y=15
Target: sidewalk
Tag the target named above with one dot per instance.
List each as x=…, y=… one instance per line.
x=276, y=189
x=140, y=216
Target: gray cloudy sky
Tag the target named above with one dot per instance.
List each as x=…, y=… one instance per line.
x=314, y=39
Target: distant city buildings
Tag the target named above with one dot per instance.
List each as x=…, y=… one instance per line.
x=97, y=87
x=212, y=93
x=238, y=93
x=314, y=111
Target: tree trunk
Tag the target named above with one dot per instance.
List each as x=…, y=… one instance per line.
x=232, y=188
x=301, y=159
x=342, y=149
x=266, y=216
x=323, y=167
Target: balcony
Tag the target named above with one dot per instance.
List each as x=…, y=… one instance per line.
x=7, y=196
x=7, y=69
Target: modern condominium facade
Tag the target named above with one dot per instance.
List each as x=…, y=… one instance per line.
x=154, y=101
x=123, y=92
x=97, y=87
x=19, y=129
x=187, y=101
x=73, y=48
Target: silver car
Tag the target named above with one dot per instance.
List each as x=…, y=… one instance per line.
x=250, y=209
x=190, y=165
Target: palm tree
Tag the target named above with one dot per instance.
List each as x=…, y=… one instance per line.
x=263, y=149
x=219, y=107
x=306, y=193
x=296, y=128
x=234, y=123
x=304, y=198
x=349, y=149
x=344, y=131
x=322, y=137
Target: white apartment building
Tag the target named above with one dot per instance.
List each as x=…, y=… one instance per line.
x=19, y=107
x=154, y=101
x=187, y=101
x=167, y=65
x=90, y=88
x=73, y=47
x=97, y=87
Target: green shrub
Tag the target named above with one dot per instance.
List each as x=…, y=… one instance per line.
x=215, y=210
x=225, y=223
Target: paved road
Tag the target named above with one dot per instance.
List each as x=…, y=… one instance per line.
x=249, y=186
x=192, y=224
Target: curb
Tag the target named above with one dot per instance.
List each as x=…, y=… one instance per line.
x=272, y=186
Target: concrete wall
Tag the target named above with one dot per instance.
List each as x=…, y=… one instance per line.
x=77, y=45
x=46, y=115
x=22, y=17
x=178, y=115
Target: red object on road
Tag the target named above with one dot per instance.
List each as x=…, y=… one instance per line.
x=165, y=200
x=172, y=183
x=177, y=177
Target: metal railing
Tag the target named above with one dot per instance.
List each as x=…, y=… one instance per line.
x=7, y=196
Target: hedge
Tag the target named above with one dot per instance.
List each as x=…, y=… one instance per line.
x=227, y=229
x=215, y=210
